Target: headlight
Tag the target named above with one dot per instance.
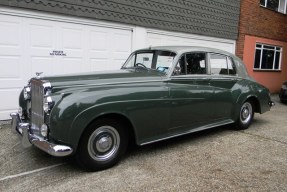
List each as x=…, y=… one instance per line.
x=44, y=130
x=48, y=104
x=27, y=92
x=284, y=86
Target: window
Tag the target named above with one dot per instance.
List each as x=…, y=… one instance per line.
x=142, y=58
x=191, y=63
x=277, y=5
x=221, y=65
x=195, y=63
x=159, y=60
x=267, y=57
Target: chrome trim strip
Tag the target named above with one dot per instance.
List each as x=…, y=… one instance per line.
x=15, y=121
x=25, y=134
x=117, y=83
x=51, y=148
x=28, y=139
x=226, y=122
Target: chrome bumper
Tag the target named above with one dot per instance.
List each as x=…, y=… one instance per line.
x=28, y=139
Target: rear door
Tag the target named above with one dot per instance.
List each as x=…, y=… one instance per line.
x=222, y=80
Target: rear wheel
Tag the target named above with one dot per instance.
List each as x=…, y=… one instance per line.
x=246, y=115
x=102, y=144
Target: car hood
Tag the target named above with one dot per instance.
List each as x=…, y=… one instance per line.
x=104, y=77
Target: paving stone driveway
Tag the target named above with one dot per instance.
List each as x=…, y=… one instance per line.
x=220, y=160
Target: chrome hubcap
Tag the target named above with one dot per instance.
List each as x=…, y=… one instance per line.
x=246, y=113
x=103, y=143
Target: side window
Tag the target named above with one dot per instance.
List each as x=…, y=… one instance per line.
x=180, y=67
x=191, y=63
x=195, y=63
x=221, y=65
x=231, y=67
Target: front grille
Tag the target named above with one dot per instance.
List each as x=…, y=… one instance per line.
x=37, y=112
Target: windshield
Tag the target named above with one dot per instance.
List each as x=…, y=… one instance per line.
x=149, y=59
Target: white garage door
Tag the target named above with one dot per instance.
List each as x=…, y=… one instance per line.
x=161, y=38
x=29, y=45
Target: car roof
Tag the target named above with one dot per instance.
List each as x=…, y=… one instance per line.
x=183, y=49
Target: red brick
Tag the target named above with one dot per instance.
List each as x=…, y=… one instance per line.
x=260, y=22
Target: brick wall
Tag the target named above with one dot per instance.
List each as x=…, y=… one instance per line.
x=260, y=22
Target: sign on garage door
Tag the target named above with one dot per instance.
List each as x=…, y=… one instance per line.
x=29, y=45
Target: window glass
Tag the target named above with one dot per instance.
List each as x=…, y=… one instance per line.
x=281, y=7
x=268, y=47
x=273, y=4
x=164, y=61
x=267, y=57
x=151, y=59
x=231, y=67
x=277, y=60
x=218, y=64
x=144, y=59
x=180, y=68
x=130, y=62
x=277, y=5
x=195, y=63
x=262, y=2
x=257, y=59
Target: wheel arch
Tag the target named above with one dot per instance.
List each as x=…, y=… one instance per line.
x=110, y=115
x=255, y=102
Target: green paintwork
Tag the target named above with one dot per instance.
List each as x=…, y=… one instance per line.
x=157, y=105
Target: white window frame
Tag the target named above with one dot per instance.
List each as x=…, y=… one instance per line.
x=285, y=6
x=261, y=48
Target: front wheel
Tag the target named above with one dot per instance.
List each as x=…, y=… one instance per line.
x=102, y=145
x=246, y=115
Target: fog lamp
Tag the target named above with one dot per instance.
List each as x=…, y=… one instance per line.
x=27, y=92
x=48, y=104
x=44, y=130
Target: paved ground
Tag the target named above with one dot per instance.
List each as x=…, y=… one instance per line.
x=220, y=160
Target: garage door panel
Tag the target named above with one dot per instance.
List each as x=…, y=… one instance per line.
x=123, y=42
x=41, y=64
x=9, y=32
x=157, y=39
x=9, y=102
x=11, y=69
x=11, y=46
x=13, y=94
x=98, y=41
x=117, y=63
x=41, y=36
x=70, y=65
x=98, y=64
x=72, y=38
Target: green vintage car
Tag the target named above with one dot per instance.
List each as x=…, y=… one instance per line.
x=159, y=93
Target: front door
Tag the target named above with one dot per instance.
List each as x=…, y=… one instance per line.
x=190, y=93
